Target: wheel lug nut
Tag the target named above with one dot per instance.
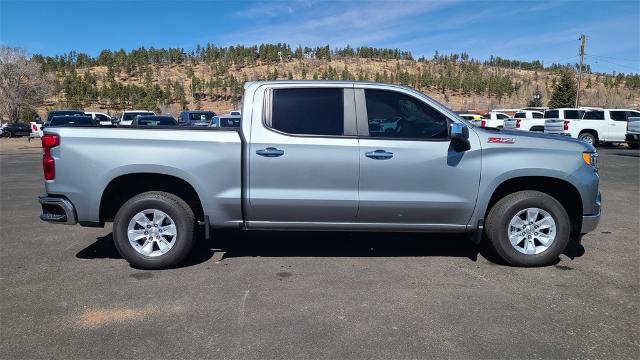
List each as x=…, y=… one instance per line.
x=146, y=233
x=160, y=230
x=148, y=226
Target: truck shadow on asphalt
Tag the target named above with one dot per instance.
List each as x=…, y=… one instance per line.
x=236, y=244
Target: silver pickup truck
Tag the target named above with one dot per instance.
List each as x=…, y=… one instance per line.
x=315, y=155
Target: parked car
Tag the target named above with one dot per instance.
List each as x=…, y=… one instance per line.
x=155, y=120
x=231, y=121
x=595, y=126
x=127, y=116
x=196, y=118
x=633, y=132
x=304, y=158
x=73, y=120
x=16, y=129
x=235, y=112
x=493, y=119
x=100, y=118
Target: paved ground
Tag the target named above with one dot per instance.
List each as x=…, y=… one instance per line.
x=65, y=293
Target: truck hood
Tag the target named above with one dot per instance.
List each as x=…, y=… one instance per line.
x=532, y=139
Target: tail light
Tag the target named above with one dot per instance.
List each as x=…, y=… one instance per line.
x=518, y=124
x=566, y=125
x=48, y=163
x=483, y=123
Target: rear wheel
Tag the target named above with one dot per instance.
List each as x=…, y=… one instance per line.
x=589, y=138
x=528, y=228
x=154, y=230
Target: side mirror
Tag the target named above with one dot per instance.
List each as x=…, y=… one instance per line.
x=115, y=121
x=460, y=137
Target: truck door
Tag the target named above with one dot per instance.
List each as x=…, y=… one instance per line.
x=303, y=156
x=617, y=125
x=409, y=173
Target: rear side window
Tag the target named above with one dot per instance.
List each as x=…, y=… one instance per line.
x=395, y=115
x=619, y=115
x=593, y=115
x=308, y=111
x=551, y=114
x=501, y=116
x=520, y=115
x=537, y=115
x=572, y=114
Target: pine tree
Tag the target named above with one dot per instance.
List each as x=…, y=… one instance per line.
x=564, y=94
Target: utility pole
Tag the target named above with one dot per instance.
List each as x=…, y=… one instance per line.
x=583, y=39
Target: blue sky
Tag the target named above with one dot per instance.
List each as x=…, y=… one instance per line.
x=523, y=30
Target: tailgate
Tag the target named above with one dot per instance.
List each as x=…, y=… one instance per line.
x=511, y=124
x=554, y=126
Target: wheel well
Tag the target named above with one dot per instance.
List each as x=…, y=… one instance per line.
x=559, y=189
x=127, y=186
x=590, y=131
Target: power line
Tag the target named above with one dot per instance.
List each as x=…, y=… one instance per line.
x=612, y=58
x=613, y=63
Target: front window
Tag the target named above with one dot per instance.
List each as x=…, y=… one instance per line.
x=537, y=115
x=572, y=114
x=520, y=115
x=619, y=115
x=308, y=111
x=395, y=115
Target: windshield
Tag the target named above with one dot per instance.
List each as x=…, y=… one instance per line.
x=156, y=121
x=63, y=113
x=71, y=120
x=132, y=115
x=203, y=116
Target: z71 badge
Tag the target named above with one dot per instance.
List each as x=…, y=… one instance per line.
x=500, y=140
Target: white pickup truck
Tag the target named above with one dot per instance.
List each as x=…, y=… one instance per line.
x=493, y=119
x=595, y=126
x=528, y=120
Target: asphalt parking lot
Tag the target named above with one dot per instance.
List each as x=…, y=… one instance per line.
x=65, y=292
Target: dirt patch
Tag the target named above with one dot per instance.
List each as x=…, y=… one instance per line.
x=98, y=317
x=11, y=146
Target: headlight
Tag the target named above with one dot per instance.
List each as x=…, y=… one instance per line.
x=591, y=159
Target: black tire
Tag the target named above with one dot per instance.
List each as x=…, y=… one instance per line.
x=588, y=138
x=173, y=206
x=633, y=145
x=505, y=209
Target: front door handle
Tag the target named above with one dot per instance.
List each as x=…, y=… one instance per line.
x=270, y=152
x=379, y=154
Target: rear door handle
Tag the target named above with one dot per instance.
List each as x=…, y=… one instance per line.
x=379, y=154
x=270, y=152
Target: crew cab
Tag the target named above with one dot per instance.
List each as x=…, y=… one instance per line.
x=310, y=155
x=595, y=126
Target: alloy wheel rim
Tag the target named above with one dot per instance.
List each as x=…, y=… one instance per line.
x=152, y=232
x=587, y=139
x=532, y=231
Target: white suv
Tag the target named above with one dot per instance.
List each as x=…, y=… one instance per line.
x=595, y=126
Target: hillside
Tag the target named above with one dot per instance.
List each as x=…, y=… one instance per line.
x=168, y=83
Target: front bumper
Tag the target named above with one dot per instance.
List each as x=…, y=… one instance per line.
x=57, y=210
x=590, y=222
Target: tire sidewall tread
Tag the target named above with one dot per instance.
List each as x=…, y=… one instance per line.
x=503, y=211
x=176, y=208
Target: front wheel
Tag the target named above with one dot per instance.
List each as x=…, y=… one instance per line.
x=154, y=230
x=528, y=228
